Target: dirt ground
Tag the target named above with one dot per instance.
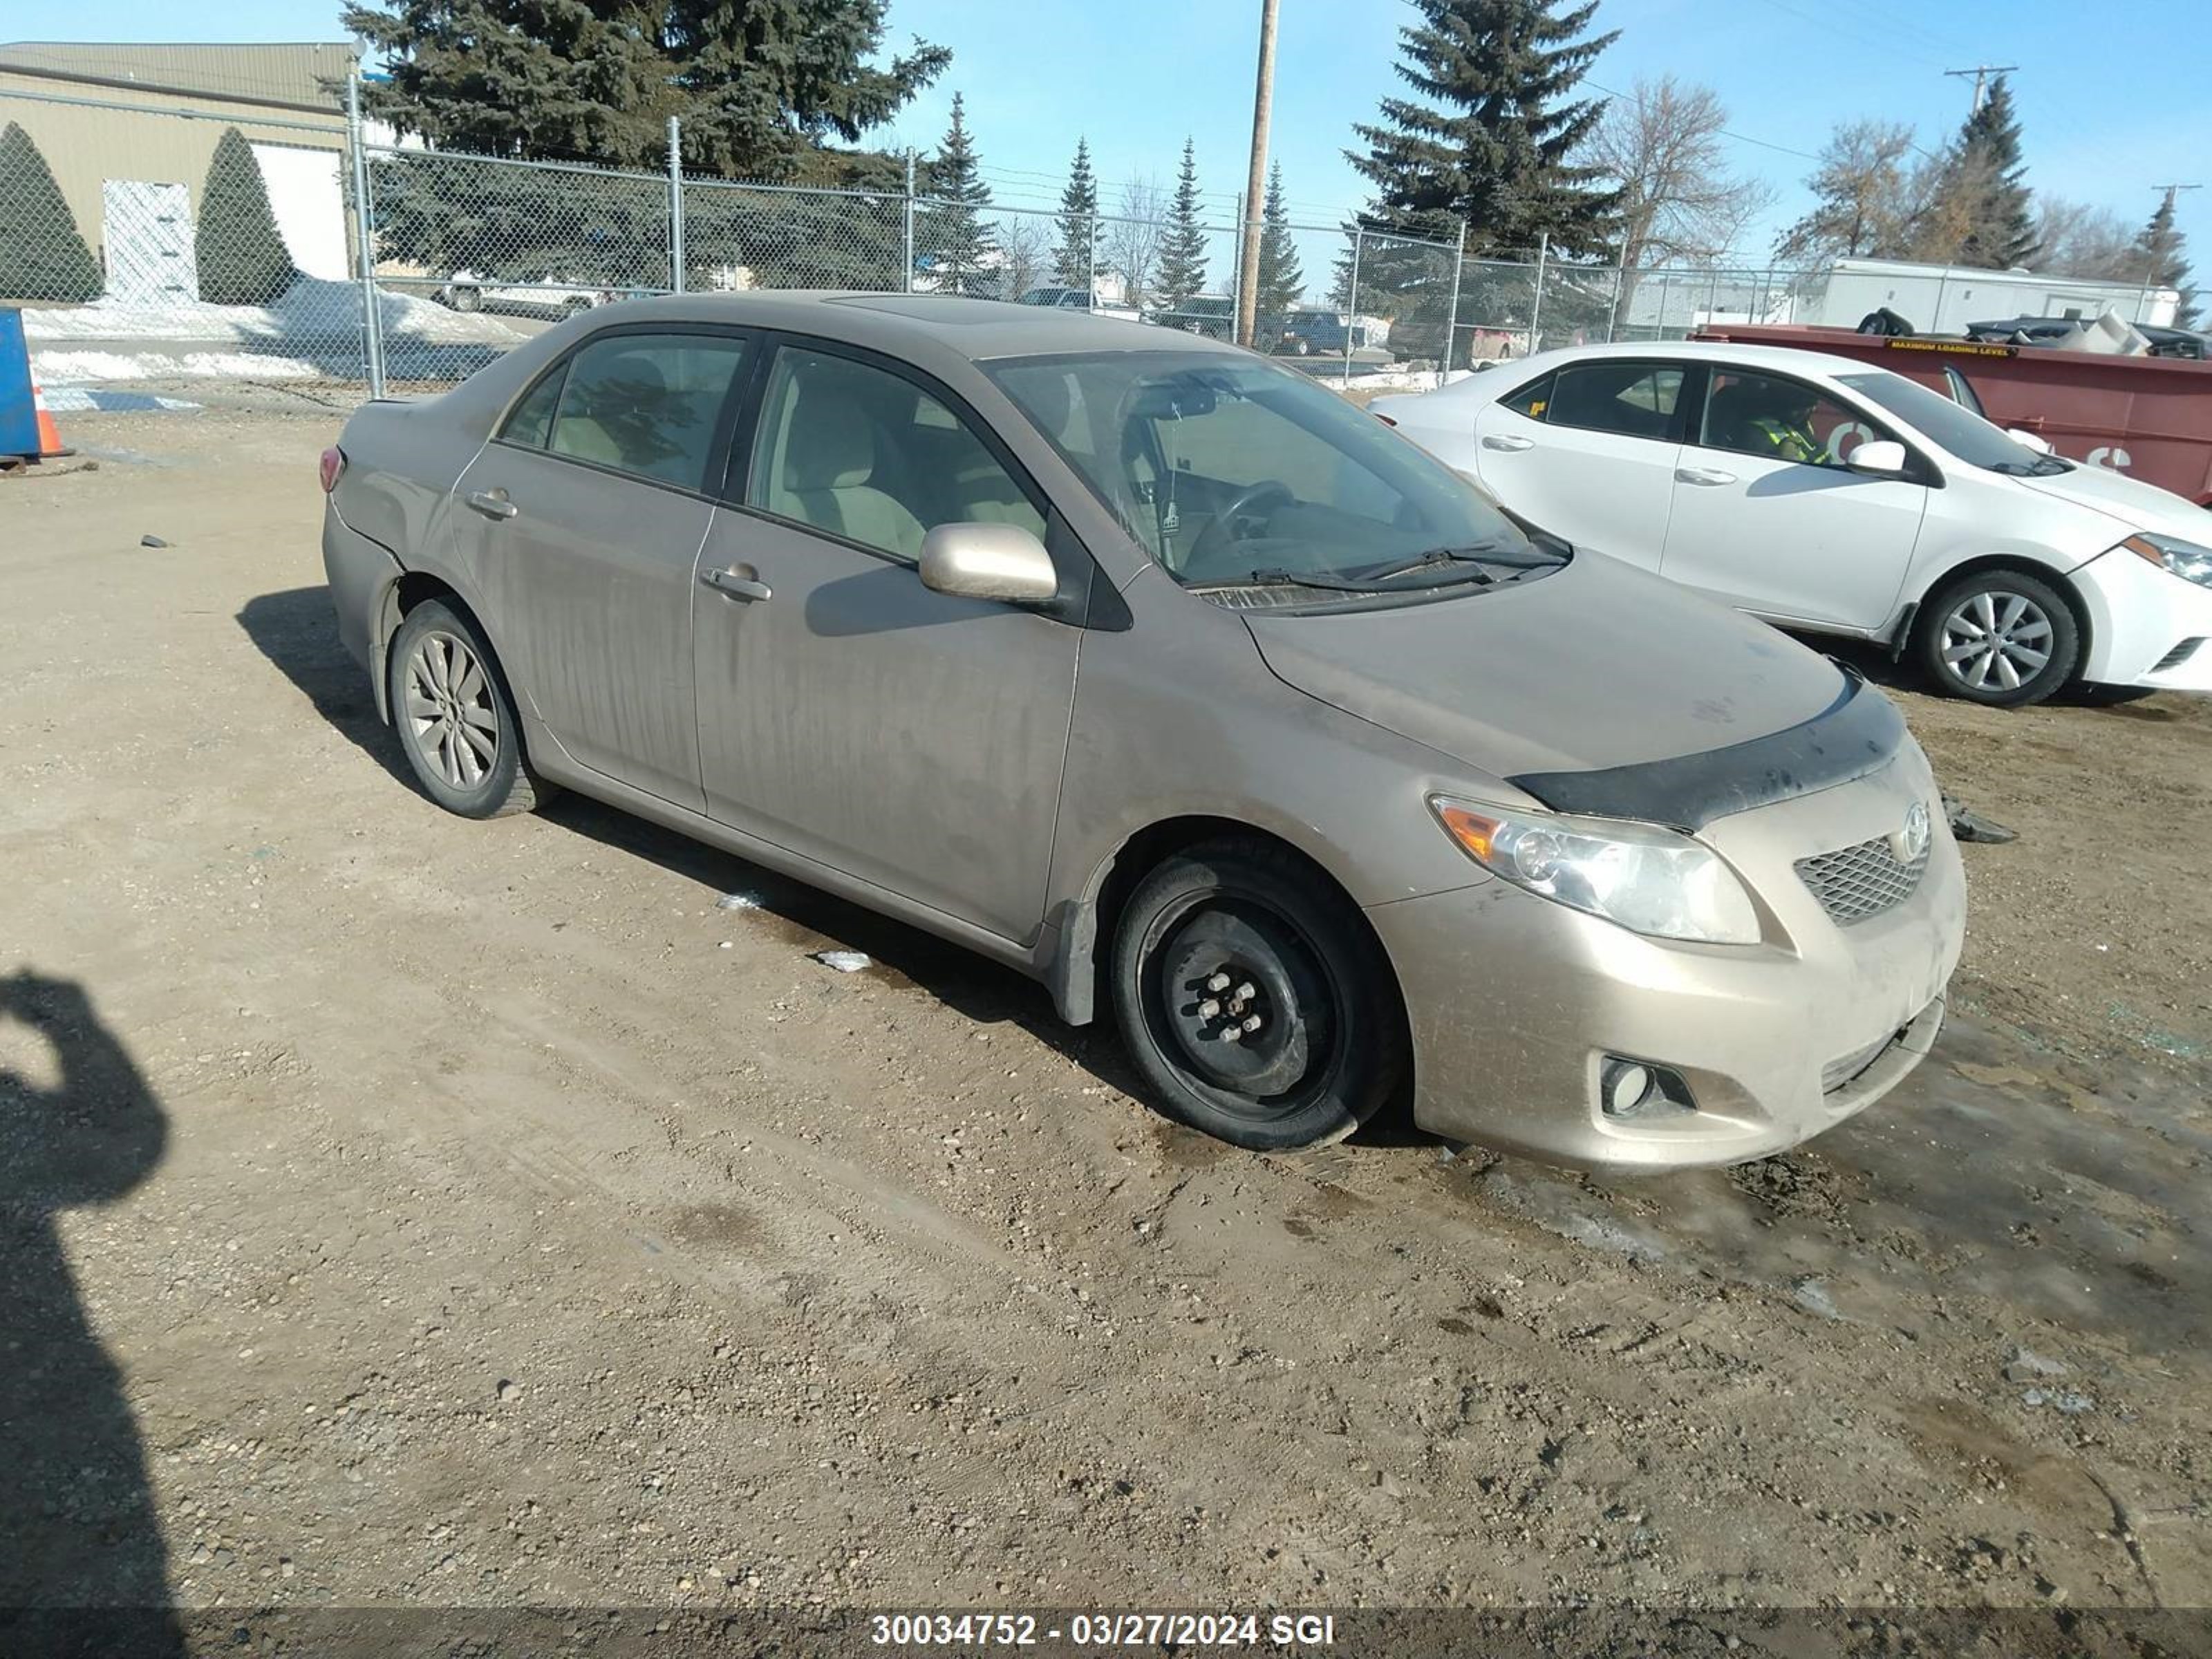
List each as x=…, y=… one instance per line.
x=405, y=1210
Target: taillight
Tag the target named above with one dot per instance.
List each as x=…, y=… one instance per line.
x=333, y=468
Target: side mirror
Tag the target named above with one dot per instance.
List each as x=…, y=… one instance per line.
x=2029, y=440
x=989, y=562
x=1879, y=457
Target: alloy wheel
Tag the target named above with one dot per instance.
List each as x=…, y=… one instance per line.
x=1995, y=640
x=451, y=719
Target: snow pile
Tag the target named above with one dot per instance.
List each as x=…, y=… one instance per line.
x=312, y=309
x=64, y=368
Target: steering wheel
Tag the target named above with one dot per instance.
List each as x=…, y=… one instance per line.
x=1226, y=528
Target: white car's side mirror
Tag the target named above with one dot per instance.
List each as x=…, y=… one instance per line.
x=1879, y=457
x=1001, y=562
x=2028, y=440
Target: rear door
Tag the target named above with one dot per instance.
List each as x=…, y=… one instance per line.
x=1588, y=452
x=1807, y=541
x=586, y=514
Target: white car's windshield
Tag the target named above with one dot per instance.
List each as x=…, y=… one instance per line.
x=1233, y=473
x=1960, y=430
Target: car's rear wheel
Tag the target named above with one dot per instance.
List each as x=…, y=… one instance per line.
x=2001, y=637
x=468, y=299
x=1253, y=1000
x=455, y=721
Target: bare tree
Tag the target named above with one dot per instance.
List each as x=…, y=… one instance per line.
x=2090, y=243
x=1678, y=198
x=1867, y=198
x=1024, y=252
x=1129, y=242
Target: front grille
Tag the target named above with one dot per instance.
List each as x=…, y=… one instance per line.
x=2174, y=658
x=1844, y=1067
x=1854, y=883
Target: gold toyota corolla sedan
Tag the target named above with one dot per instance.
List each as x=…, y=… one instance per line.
x=1164, y=674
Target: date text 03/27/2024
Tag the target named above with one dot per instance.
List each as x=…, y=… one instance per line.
x=1102, y=1630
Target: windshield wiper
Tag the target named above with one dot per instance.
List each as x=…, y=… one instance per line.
x=1493, y=553
x=1284, y=578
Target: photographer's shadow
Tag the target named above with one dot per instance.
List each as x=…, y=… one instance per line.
x=78, y=1127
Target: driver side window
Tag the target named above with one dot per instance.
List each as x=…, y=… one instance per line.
x=1780, y=419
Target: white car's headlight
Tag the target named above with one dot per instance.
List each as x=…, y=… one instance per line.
x=2186, y=560
x=1648, y=879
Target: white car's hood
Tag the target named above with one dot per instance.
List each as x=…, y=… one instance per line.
x=2130, y=502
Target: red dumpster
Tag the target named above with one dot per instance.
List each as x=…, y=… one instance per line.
x=2150, y=418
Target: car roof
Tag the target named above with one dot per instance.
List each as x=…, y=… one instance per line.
x=897, y=322
x=1789, y=359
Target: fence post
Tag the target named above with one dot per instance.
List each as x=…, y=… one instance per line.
x=364, y=232
x=1090, y=262
x=1451, y=311
x=906, y=283
x=1536, y=310
x=1236, y=278
x=675, y=205
x=1351, y=303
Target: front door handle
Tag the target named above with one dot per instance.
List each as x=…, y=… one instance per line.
x=493, y=504
x=1498, y=441
x=734, y=586
x=1702, y=475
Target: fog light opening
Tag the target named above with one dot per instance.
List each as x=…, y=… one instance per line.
x=1632, y=1088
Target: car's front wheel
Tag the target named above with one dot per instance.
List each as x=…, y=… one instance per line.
x=1253, y=1000
x=456, y=724
x=2001, y=637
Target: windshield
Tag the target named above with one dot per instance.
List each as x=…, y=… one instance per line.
x=1960, y=431
x=1233, y=473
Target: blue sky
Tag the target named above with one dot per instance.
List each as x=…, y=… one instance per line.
x=2105, y=115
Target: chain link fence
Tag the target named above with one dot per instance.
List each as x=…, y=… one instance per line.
x=158, y=241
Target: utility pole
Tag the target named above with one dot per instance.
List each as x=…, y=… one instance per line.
x=1980, y=72
x=1256, y=183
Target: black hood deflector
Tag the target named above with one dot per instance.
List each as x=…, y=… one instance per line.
x=1858, y=733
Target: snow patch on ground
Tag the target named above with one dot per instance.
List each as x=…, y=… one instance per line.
x=86, y=400
x=67, y=368
x=311, y=309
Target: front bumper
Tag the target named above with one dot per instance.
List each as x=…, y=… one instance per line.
x=2141, y=621
x=1516, y=1003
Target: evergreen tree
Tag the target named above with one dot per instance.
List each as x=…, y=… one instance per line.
x=2165, y=260
x=1072, y=261
x=42, y=255
x=1182, y=250
x=243, y=260
x=1985, y=164
x=1281, y=281
x=1493, y=145
x=951, y=230
x=762, y=85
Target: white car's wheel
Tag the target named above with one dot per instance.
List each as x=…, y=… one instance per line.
x=2001, y=637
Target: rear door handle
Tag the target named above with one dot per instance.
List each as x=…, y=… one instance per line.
x=493, y=504
x=1498, y=441
x=736, y=586
x=1702, y=475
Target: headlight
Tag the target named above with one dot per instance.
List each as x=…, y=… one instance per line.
x=2185, y=559
x=1648, y=879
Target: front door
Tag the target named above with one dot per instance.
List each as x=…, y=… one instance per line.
x=1588, y=454
x=586, y=515
x=1768, y=517
x=847, y=712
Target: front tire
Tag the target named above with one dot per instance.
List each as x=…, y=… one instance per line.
x=456, y=723
x=1253, y=1000
x=1998, y=637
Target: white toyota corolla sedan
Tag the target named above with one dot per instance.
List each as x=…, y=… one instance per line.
x=1824, y=494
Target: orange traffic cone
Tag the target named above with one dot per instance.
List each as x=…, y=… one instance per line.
x=50, y=436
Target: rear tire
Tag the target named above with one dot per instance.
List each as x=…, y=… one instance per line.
x=468, y=299
x=1999, y=637
x=1242, y=935
x=456, y=723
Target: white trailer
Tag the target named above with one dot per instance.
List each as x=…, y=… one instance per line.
x=1945, y=299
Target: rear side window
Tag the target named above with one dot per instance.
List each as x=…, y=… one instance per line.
x=647, y=404
x=1532, y=399
x=532, y=420
x=1635, y=400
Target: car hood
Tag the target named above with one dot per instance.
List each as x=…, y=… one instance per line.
x=2135, y=504
x=1593, y=667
